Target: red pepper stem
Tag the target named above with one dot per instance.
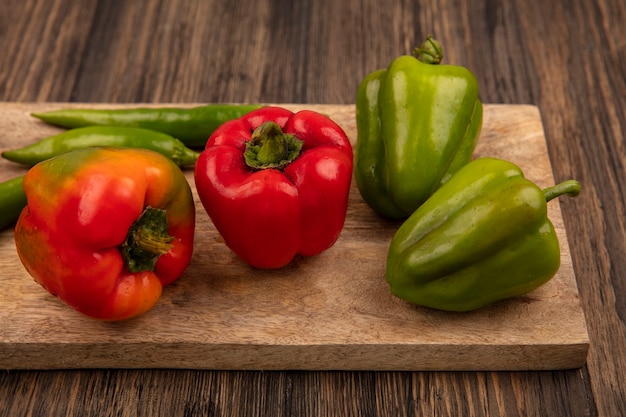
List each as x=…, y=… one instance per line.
x=429, y=52
x=570, y=187
x=270, y=147
x=146, y=241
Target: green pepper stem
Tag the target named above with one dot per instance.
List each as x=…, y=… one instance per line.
x=146, y=241
x=270, y=147
x=570, y=187
x=185, y=157
x=429, y=52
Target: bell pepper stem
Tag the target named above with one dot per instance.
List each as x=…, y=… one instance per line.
x=570, y=187
x=429, y=52
x=146, y=241
x=270, y=147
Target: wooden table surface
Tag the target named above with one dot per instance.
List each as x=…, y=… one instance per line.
x=566, y=57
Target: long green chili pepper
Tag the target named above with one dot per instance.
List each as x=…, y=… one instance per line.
x=12, y=201
x=113, y=136
x=192, y=126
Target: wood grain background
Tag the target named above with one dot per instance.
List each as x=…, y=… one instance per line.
x=567, y=57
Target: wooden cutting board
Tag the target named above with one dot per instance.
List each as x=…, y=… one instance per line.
x=331, y=311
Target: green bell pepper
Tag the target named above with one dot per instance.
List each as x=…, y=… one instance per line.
x=483, y=236
x=417, y=123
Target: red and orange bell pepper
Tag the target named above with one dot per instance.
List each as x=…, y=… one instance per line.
x=105, y=229
x=276, y=183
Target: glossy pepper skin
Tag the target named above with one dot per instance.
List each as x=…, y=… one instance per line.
x=192, y=125
x=112, y=136
x=483, y=236
x=12, y=201
x=105, y=229
x=418, y=122
x=276, y=184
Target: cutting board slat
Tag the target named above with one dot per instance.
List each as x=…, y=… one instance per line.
x=331, y=311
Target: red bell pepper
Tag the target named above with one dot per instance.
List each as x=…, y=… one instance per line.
x=276, y=184
x=105, y=229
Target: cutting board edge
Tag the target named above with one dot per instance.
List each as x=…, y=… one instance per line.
x=326, y=358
